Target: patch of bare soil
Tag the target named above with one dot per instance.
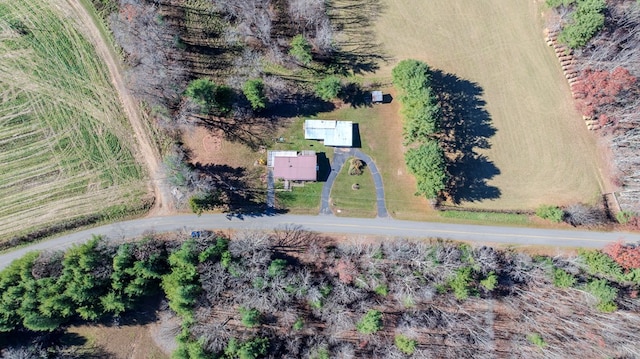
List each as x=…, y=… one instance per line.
x=123, y=342
x=204, y=146
x=164, y=331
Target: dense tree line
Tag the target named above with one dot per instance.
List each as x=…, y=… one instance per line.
x=43, y=291
x=607, y=89
x=287, y=294
x=425, y=157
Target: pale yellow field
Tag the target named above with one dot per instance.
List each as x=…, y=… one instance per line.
x=542, y=149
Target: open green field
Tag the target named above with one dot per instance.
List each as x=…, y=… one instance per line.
x=539, y=150
x=66, y=151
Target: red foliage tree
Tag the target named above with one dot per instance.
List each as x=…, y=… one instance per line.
x=599, y=88
x=346, y=271
x=627, y=256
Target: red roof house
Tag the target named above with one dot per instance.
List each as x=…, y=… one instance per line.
x=303, y=167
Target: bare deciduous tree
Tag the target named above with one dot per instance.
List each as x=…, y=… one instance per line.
x=155, y=72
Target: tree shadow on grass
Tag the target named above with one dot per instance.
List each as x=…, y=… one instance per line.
x=466, y=126
x=360, y=53
x=253, y=132
x=234, y=185
x=297, y=104
x=355, y=96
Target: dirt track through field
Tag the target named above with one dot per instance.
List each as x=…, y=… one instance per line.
x=148, y=153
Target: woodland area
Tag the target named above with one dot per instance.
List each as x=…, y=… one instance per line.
x=295, y=294
x=605, y=37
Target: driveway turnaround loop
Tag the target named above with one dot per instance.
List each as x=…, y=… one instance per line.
x=340, y=157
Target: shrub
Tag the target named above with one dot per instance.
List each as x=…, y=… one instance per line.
x=405, y=344
x=562, y=279
x=254, y=91
x=301, y=49
x=536, y=339
x=552, y=213
x=587, y=20
x=215, y=251
x=605, y=294
x=382, y=290
x=277, y=267
x=204, y=202
x=321, y=353
x=250, y=349
x=250, y=317
x=490, y=283
x=299, y=324
x=209, y=96
x=356, y=167
x=328, y=88
x=370, y=322
x=598, y=263
x=623, y=217
x=557, y=3
x=461, y=283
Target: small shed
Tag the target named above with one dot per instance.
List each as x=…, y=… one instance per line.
x=303, y=167
x=333, y=133
x=376, y=97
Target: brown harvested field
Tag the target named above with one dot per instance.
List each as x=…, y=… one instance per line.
x=541, y=149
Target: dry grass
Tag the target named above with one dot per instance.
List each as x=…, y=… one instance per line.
x=125, y=342
x=67, y=149
x=542, y=148
x=208, y=147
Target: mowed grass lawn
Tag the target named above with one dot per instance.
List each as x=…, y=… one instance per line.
x=66, y=151
x=347, y=202
x=541, y=148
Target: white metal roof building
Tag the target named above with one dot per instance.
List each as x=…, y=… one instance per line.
x=376, y=96
x=334, y=133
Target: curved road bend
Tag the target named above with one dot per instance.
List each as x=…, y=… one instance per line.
x=331, y=224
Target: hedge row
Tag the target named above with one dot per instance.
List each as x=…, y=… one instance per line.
x=421, y=112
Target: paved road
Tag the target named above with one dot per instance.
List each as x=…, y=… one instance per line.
x=340, y=156
x=327, y=224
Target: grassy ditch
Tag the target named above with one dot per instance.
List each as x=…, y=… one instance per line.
x=487, y=217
